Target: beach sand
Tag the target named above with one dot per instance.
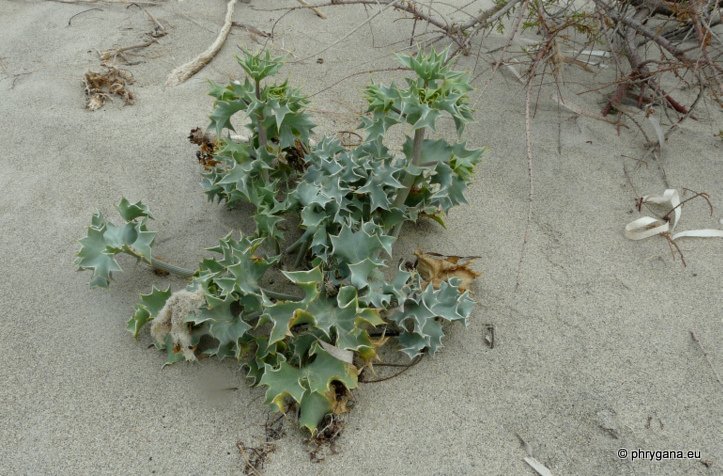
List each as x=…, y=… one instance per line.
x=593, y=348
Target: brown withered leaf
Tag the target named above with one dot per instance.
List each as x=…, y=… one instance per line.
x=295, y=156
x=198, y=136
x=435, y=268
x=99, y=87
x=367, y=362
x=341, y=402
x=206, y=143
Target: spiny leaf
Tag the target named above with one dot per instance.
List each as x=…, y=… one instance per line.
x=310, y=385
x=430, y=66
x=267, y=224
x=246, y=272
x=400, y=287
x=311, y=194
x=433, y=151
x=255, y=352
x=326, y=369
x=422, y=117
x=342, y=315
x=355, y=246
x=362, y=271
x=345, y=315
x=412, y=344
x=284, y=315
x=309, y=281
x=147, y=309
x=143, y=243
x=225, y=325
x=314, y=407
x=261, y=65
x=282, y=382
x=130, y=211
x=93, y=256
x=172, y=355
x=421, y=311
x=380, y=185
x=449, y=302
x=222, y=113
x=213, y=275
x=378, y=124
x=294, y=126
x=104, y=240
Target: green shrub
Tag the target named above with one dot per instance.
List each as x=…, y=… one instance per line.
x=307, y=348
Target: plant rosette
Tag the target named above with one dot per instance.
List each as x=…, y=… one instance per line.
x=308, y=347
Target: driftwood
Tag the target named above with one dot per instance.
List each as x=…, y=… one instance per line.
x=182, y=73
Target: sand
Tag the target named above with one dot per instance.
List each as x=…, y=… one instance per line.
x=593, y=348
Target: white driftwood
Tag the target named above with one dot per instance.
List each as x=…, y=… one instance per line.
x=182, y=73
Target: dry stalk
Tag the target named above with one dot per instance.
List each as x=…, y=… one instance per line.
x=184, y=72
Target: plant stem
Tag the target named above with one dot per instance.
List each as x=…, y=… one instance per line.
x=260, y=118
x=155, y=263
x=414, y=160
x=262, y=130
x=187, y=273
x=277, y=246
x=301, y=253
x=177, y=270
x=295, y=245
x=409, y=180
x=279, y=295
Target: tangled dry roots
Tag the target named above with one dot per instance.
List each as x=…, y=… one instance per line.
x=172, y=320
x=99, y=87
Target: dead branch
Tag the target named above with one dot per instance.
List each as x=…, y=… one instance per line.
x=105, y=2
x=81, y=12
x=459, y=33
x=531, y=183
x=160, y=30
x=313, y=9
x=406, y=6
x=182, y=73
x=392, y=3
x=485, y=20
x=111, y=54
x=252, y=29
x=635, y=24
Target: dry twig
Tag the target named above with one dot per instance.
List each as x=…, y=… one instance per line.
x=707, y=358
x=159, y=27
x=182, y=73
x=113, y=53
x=81, y=12
x=531, y=183
x=105, y=2
x=316, y=11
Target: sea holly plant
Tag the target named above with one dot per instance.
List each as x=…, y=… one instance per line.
x=308, y=345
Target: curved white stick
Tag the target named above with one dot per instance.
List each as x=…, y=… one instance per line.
x=182, y=73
